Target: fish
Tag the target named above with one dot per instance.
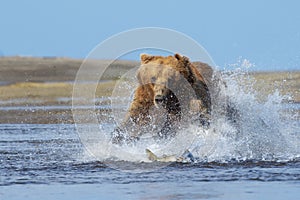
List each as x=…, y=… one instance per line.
x=186, y=157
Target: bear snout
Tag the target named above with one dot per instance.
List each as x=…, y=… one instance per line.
x=159, y=99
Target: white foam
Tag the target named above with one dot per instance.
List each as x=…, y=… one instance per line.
x=262, y=130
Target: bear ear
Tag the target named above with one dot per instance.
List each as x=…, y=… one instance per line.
x=145, y=58
x=178, y=56
x=182, y=58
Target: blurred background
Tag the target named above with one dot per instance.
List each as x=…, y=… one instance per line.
x=266, y=33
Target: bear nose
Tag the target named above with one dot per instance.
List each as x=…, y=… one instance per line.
x=158, y=99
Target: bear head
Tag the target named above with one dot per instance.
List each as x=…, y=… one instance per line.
x=163, y=73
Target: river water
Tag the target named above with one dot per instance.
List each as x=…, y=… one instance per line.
x=49, y=162
x=259, y=158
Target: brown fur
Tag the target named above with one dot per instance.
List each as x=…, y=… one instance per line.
x=153, y=76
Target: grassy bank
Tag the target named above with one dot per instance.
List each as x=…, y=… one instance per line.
x=33, y=82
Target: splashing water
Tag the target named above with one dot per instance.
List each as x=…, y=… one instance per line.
x=262, y=129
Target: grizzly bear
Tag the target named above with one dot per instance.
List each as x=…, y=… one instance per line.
x=172, y=84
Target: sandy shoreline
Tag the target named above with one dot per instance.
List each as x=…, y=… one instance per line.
x=31, y=82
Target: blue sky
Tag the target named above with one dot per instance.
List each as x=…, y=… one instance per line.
x=267, y=33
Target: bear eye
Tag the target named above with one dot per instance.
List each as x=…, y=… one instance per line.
x=153, y=79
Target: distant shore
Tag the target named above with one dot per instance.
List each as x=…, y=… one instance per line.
x=30, y=82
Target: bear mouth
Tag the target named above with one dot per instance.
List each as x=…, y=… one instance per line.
x=159, y=100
